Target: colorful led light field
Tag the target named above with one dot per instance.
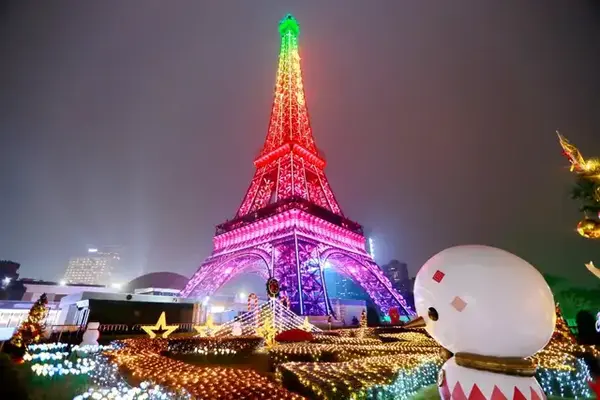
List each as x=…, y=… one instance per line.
x=142, y=359
x=58, y=360
x=335, y=366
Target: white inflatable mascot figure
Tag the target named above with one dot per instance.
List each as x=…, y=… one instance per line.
x=492, y=310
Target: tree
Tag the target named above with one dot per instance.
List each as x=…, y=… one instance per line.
x=562, y=333
x=32, y=328
x=573, y=299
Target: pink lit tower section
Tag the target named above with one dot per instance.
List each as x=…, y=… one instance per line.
x=290, y=225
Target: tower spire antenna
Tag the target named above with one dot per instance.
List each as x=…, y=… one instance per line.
x=289, y=24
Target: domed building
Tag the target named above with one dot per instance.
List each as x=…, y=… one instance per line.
x=157, y=283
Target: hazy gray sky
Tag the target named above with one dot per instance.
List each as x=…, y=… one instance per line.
x=136, y=123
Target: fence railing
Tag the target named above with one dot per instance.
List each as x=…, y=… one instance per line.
x=71, y=334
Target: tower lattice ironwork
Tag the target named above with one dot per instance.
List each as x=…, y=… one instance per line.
x=290, y=225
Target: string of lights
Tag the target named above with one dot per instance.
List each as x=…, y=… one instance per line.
x=272, y=312
x=59, y=359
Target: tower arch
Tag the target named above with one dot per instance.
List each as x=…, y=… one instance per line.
x=217, y=272
x=363, y=271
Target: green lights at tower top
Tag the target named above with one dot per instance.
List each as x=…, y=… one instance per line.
x=289, y=24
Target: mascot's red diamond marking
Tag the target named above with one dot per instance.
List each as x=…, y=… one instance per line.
x=438, y=276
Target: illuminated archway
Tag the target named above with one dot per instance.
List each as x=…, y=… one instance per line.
x=218, y=272
x=364, y=272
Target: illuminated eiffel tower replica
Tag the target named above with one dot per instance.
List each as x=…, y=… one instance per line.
x=290, y=225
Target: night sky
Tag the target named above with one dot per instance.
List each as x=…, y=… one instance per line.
x=136, y=123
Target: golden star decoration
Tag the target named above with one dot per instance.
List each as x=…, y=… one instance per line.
x=306, y=326
x=161, y=325
x=205, y=330
x=267, y=331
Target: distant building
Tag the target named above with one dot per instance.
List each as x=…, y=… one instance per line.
x=347, y=289
x=16, y=308
x=55, y=291
x=96, y=268
x=341, y=287
x=397, y=273
x=157, y=284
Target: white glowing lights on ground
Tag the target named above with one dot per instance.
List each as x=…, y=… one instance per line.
x=106, y=383
x=81, y=366
x=146, y=391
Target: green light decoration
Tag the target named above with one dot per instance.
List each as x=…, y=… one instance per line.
x=289, y=24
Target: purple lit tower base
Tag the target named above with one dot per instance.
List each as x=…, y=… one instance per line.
x=293, y=246
x=290, y=225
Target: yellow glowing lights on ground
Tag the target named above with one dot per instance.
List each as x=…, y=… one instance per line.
x=161, y=325
x=350, y=363
x=143, y=359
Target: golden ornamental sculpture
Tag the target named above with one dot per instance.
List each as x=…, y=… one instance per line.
x=587, y=191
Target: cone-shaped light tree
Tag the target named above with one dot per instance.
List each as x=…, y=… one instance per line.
x=31, y=329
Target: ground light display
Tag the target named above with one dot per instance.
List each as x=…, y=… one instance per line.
x=290, y=225
x=276, y=354
x=361, y=363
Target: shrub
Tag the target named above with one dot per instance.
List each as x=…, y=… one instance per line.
x=294, y=335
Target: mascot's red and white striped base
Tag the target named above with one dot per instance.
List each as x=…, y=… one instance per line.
x=493, y=310
x=459, y=383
